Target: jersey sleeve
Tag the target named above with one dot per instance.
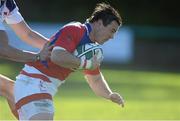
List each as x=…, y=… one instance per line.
x=70, y=37
x=92, y=72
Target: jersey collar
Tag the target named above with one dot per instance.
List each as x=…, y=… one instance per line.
x=88, y=28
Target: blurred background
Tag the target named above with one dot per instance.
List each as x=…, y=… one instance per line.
x=148, y=39
x=142, y=61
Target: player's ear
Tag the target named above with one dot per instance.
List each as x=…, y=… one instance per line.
x=99, y=25
x=100, y=22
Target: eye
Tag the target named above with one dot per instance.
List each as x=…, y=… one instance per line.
x=113, y=31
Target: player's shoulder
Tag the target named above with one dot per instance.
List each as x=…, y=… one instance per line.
x=74, y=26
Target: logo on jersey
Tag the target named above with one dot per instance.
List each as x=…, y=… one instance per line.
x=69, y=38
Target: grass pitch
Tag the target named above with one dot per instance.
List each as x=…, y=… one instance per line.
x=148, y=96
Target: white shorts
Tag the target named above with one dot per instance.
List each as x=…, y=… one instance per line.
x=34, y=95
x=35, y=107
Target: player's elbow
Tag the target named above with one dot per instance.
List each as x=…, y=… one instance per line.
x=57, y=57
x=54, y=58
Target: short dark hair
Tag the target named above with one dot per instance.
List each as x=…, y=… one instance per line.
x=106, y=13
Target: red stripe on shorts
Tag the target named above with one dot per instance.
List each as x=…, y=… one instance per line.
x=40, y=76
x=31, y=98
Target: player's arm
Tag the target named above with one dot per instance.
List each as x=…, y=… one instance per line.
x=25, y=33
x=65, y=45
x=31, y=37
x=100, y=87
x=8, y=52
x=63, y=58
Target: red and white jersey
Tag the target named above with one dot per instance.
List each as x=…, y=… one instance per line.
x=68, y=37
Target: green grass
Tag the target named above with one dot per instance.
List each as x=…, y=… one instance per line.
x=148, y=96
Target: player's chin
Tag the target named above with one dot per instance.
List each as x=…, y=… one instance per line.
x=101, y=42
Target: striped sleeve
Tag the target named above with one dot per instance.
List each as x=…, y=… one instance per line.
x=70, y=38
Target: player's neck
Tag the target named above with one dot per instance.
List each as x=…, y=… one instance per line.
x=92, y=33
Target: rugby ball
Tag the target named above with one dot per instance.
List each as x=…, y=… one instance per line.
x=87, y=51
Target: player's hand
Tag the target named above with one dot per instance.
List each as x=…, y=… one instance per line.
x=45, y=53
x=90, y=64
x=99, y=56
x=116, y=98
x=95, y=62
